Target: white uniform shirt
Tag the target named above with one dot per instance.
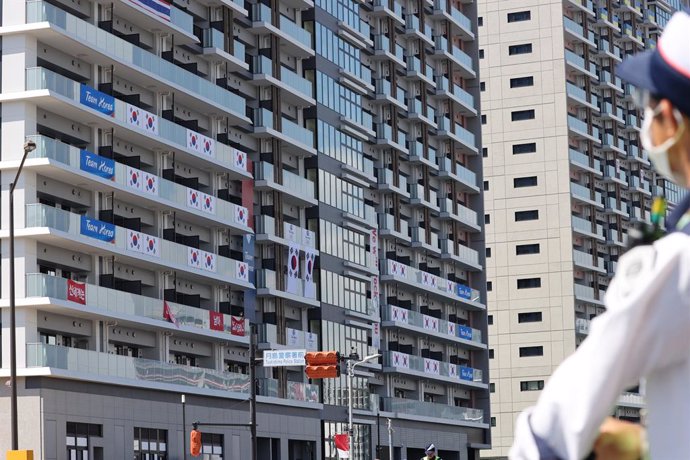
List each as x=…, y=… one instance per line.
x=645, y=332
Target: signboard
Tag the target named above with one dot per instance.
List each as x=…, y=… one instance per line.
x=466, y=373
x=76, y=292
x=96, y=100
x=97, y=229
x=464, y=332
x=277, y=358
x=97, y=165
x=464, y=292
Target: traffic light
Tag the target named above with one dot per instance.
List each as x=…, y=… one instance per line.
x=195, y=443
x=322, y=364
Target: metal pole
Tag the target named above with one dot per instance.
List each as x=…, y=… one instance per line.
x=13, y=332
x=350, y=375
x=184, y=429
x=378, y=432
x=252, y=389
x=390, y=440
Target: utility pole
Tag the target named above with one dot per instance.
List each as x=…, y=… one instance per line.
x=252, y=389
x=184, y=428
x=390, y=440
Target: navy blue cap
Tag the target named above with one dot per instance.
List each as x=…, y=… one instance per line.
x=664, y=71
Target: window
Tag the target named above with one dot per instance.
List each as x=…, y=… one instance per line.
x=490, y=319
x=150, y=444
x=480, y=21
x=491, y=353
x=521, y=216
x=521, y=115
x=211, y=446
x=519, y=149
x=529, y=317
x=487, y=219
x=492, y=387
x=519, y=16
x=481, y=54
x=532, y=385
x=524, y=249
x=485, y=152
x=483, y=119
x=482, y=86
x=489, y=285
x=488, y=252
x=493, y=421
x=531, y=351
x=486, y=185
x=77, y=439
x=529, y=181
x=529, y=283
x=524, y=48
x=521, y=82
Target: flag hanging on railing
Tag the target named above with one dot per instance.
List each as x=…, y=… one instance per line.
x=293, y=269
x=342, y=445
x=168, y=314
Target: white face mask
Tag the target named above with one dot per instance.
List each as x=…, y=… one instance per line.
x=658, y=154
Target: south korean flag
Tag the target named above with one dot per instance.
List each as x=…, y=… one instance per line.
x=293, y=269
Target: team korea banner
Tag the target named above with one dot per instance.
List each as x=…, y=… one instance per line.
x=160, y=8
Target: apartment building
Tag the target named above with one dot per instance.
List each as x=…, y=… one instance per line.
x=564, y=179
x=202, y=165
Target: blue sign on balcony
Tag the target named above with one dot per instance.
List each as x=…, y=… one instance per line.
x=97, y=100
x=464, y=292
x=97, y=229
x=464, y=332
x=98, y=165
x=466, y=373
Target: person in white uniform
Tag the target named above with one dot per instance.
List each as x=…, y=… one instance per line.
x=645, y=332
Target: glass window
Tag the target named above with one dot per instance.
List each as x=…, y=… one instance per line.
x=524, y=148
x=521, y=82
x=532, y=385
x=524, y=48
x=529, y=283
x=529, y=181
x=520, y=16
x=150, y=444
x=529, y=317
x=521, y=216
x=531, y=351
x=211, y=446
x=523, y=249
x=521, y=115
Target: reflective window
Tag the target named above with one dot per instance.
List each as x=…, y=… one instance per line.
x=340, y=194
x=150, y=444
x=343, y=243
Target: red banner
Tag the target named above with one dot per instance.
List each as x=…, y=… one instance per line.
x=342, y=445
x=237, y=326
x=216, y=321
x=76, y=292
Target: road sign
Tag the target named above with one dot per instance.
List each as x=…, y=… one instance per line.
x=276, y=358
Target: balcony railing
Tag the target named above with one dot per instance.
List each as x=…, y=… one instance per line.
x=582, y=326
x=295, y=185
x=267, y=224
x=134, y=369
x=293, y=80
x=413, y=318
x=214, y=38
x=467, y=255
x=579, y=61
x=583, y=225
x=584, y=192
x=584, y=259
x=465, y=175
x=133, y=56
x=166, y=254
x=582, y=159
x=443, y=84
x=387, y=223
x=410, y=407
x=463, y=213
x=267, y=279
x=431, y=366
x=576, y=28
x=124, y=303
x=296, y=391
x=295, y=338
x=264, y=118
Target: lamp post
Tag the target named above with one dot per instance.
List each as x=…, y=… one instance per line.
x=29, y=146
x=351, y=364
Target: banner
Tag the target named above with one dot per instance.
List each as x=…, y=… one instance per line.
x=290, y=232
x=294, y=338
x=451, y=328
x=168, y=314
x=134, y=179
x=97, y=165
x=311, y=341
x=194, y=257
x=430, y=322
x=375, y=295
x=97, y=229
x=208, y=203
x=450, y=287
x=452, y=370
x=374, y=246
x=241, y=215
x=397, y=269
x=241, y=271
x=428, y=279
x=431, y=366
x=240, y=160
x=134, y=241
x=342, y=445
x=400, y=315
x=209, y=261
x=101, y=102
x=309, y=260
x=237, y=326
x=376, y=336
x=200, y=143
x=160, y=8
x=150, y=183
x=308, y=238
x=152, y=246
x=464, y=292
x=142, y=119
x=193, y=198
x=400, y=359
x=466, y=373
x=293, y=269
x=464, y=332
x=216, y=321
x=76, y=292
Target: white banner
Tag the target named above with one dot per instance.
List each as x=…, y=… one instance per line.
x=193, y=198
x=450, y=286
x=431, y=366
x=400, y=315
x=430, y=322
x=374, y=246
x=375, y=294
x=308, y=239
x=309, y=261
x=428, y=279
x=208, y=203
x=240, y=160
x=311, y=341
x=194, y=257
x=290, y=232
x=152, y=246
x=208, y=261
x=150, y=183
x=294, y=337
x=400, y=359
x=134, y=179
x=241, y=271
x=451, y=328
x=397, y=269
x=241, y=215
x=134, y=241
x=376, y=336
x=452, y=370
x=142, y=119
x=293, y=269
x=200, y=143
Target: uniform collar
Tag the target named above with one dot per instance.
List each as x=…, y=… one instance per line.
x=678, y=214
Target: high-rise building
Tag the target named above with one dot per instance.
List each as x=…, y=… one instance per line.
x=564, y=179
x=200, y=165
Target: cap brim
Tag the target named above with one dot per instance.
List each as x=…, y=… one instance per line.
x=637, y=70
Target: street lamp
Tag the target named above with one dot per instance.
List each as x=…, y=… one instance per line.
x=29, y=146
x=351, y=364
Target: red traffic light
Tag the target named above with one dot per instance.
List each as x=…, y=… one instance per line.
x=195, y=443
x=322, y=372
x=317, y=358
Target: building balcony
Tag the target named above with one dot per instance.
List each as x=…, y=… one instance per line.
x=461, y=214
x=424, y=72
x=614, y=237
x=581, y=97
x=586, y=294
x=419, y=240
x=387, y=182
x=101, y=367
x=383, y=50
x=445, y=50
x=613, y=206
x=579, y=64
x=384, y=93
x=385, y=138
x=420, y=280
x=61, y=95
x=632, y=6
x=632, y=34
x=295, y=391
x=302, y=294
x=295, y=189
x=613, y=113
x=639, y=214
x=585, y=195
x=415, y=28
x=214, y=43
x=467, y=257
x=74, y=231
x=420, y=154
x=387, y=228
x=295, y=138
x=613, y=175
x=418, y=196
x=582, y=326
x=583, y=162
x=458, y=133
x=78, y=37
x=64, y=162
x=294, y=338
x=577, y=32
x=417, y=111
x=295, y=88
x=180, y=24
x=584, y=227
x=637, y=154
x=425, y=325
x=427, y=368
x=463, y=99
x=411, y=409
x=611, y=267
x=607, y=18
x=605, y=49
x=390, y=8
x=581, y=129
x=588, y=262
x=466, y=178
x=640, y=185
x=461, y=24
x=294, y=38
x=266, y=231
x=134, y=308
x=607, y=80
x=585, y=6
x=632, y=122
